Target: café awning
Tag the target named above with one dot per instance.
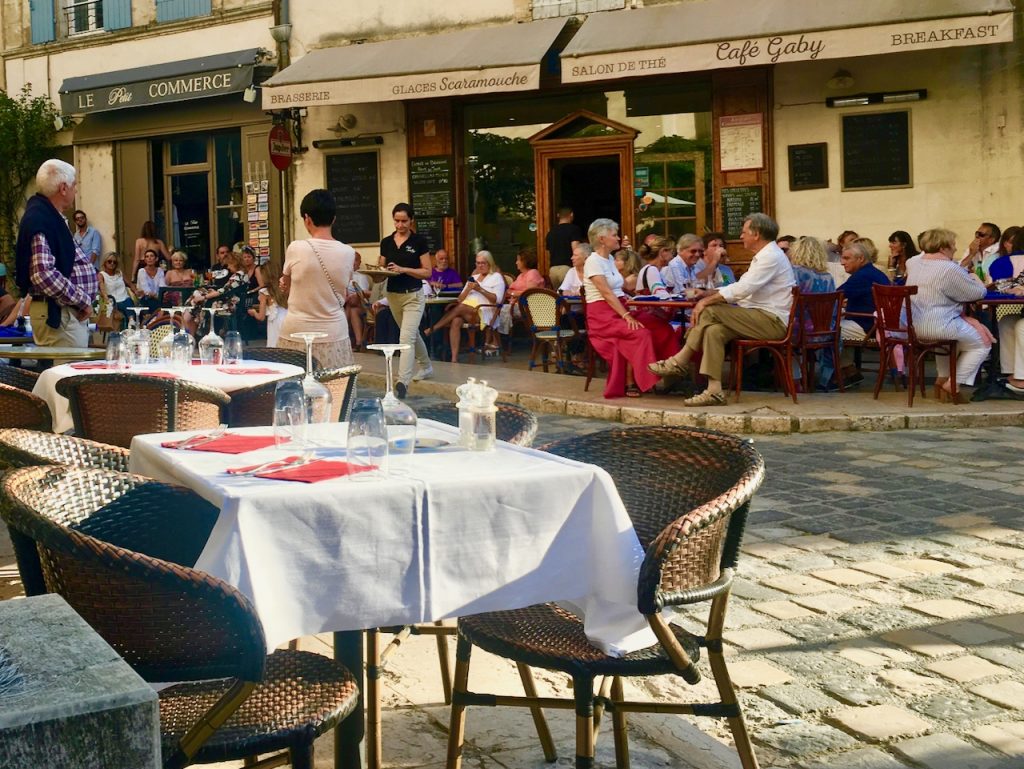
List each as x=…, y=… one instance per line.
x=470, y=61
x=214, y=75
x=715, y=34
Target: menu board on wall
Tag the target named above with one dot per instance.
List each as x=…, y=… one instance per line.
x=876, y=150
x=431, y=180
x=808, y=166
x=432, y=230
x=737, y=204
x=353, y=178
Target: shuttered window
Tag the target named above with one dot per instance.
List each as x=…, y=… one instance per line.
x=173, y=10
x=41, y=15
x=117, y=14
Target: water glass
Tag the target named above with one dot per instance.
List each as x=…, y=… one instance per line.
x=117, y=351
x=139, y=347
x=367, y=445
x=181, y=350
x=233, y=348
x=289, y=414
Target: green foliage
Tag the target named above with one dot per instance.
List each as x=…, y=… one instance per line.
x=27, y=138
x=672, y=144
x=502, y=171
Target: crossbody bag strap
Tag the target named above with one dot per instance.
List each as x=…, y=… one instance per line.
x=341, y=302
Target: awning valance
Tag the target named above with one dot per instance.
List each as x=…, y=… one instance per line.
x=470, y=61
x=173, y=81
x=714, y=34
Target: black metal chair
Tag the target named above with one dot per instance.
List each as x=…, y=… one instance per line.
x=29, y=448
x=688, y=492
x=114, y=408
x=514, y=423
x=118, y=552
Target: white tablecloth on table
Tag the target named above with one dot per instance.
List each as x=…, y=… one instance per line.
x=450, y=532
x=46, y=385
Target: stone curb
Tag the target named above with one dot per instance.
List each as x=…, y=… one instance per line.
x=759, y=422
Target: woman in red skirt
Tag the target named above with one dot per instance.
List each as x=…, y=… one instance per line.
x=616, y=335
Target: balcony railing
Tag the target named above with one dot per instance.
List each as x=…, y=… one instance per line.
x=83, y=16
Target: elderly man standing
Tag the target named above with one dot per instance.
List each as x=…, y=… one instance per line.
x=49, y=266
x=763, y=297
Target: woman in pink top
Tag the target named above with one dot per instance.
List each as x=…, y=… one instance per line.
x=528, y=277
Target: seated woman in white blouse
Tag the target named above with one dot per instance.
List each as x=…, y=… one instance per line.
x=485, y=287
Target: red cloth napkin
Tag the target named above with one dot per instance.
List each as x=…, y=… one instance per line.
x=312, y=472
x=229, y=443
x=158, y=374
x=88, y=366
x=251, y=370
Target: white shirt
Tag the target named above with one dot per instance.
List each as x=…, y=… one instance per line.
x=649, y=281
x=677, y=275
x=571, y=283
x=605, y=266
x=767, y=285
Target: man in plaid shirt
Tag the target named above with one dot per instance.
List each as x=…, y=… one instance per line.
x=50, y=267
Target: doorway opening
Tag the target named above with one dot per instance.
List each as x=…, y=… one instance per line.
x=590, y=186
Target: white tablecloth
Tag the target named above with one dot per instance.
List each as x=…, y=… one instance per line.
x=46, y=385
x=448, y=533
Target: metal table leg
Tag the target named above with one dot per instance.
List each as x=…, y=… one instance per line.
x=348, y=735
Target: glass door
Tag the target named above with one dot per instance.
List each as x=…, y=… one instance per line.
x=190, y=215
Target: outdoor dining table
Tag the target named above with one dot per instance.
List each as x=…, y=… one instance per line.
x=993, y=388
x=16, y=351
x=214, y=376
x=449, y=532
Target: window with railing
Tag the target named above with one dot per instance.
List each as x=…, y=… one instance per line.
x=550, y=9
x=82, y=16
x=51, y=20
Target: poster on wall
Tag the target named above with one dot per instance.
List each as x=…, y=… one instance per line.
x=741, y=142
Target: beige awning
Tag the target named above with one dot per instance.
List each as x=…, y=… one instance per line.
x=714, y=34
x=470, y=61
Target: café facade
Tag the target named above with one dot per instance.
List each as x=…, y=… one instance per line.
x=676, y=117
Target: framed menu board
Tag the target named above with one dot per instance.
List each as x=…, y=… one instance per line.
x=737, y=204
x=876, y=150
x=353, y=178
x=430, y=186
x=808, y=166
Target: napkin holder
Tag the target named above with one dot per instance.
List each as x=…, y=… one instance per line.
x=477, y=415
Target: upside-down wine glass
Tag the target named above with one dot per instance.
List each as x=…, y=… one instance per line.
x=181, y=341
x=211, y=346
x=318, y=397
x=399, y=416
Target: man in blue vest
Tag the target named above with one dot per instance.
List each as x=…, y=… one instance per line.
x=49, y=267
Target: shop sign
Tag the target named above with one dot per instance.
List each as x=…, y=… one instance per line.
x=161, y=91
x=400, y=87
x=279, y=142
x=797, y=46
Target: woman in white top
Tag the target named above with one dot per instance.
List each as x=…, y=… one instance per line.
x=485, y=287
x=620, y=338
x=273, y=306
x=113, y=286
x=656, y=254
x=942, y=288
x=150, y=280
x=359, y=290
x=317, y=272
x=572, y=284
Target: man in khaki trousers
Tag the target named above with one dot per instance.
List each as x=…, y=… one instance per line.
x=755, y=307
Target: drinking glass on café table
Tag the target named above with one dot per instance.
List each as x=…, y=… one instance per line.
x=233, y=348
x=139, y=346
x=290, y=414
x=367, y=445
x=181, y=350
x=117, y=351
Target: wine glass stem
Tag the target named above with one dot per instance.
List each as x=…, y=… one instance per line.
x=309, y=356
x=388, y=355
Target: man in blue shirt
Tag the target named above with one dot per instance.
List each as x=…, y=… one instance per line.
x=87, y=238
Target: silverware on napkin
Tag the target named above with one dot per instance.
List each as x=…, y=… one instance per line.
x=278, y=464
x=199, y=440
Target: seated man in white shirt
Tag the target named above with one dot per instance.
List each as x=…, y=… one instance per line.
x=763, y=297
x=983, y=250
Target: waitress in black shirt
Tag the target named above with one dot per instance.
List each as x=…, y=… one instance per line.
x=407, y=253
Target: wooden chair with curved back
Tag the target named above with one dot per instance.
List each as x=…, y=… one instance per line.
x=818, y=328
x=781, y=350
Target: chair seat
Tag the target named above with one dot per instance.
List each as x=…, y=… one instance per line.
x=548, y=636
x=300, y=690
x=554, y=333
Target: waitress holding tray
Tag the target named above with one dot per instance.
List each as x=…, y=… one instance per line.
x=408, y=254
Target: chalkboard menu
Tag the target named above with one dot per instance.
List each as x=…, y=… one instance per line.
x=354, y=180
x=430, y=186
x=737, y=204
x=876, y=150
x=432, y=230
x=808, y=166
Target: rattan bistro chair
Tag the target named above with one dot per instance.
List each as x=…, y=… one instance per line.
x=342, y=384
x=113, y=547
x=688, y=492
x=114, y=408
x=28, y=448
x=280, y=355
x=21, y=378
x=543, y=311
x=254, y=406
x=20, y=408
x=514, y=424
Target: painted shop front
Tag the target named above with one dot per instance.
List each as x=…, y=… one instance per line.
x=827, y=118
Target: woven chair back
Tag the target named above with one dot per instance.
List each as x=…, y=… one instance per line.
x=26, y=448
x=540, y=308
x=280, y=355
x=168, y=621
x=156, y=336
x=254, y=406
x=114, y=408
x=686, y=491
x=19, y=408
x=342, y=384
x=18, y=377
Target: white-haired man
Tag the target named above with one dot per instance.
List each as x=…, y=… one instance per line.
x=49, y=266
x=763, y=297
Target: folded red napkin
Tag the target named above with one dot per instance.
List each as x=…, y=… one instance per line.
x=312, y=472
x=87, y=366
x=158, y=374
x=229, y=443
x=250, y=370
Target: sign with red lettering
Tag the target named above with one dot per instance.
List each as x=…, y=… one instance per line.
x=280, y=144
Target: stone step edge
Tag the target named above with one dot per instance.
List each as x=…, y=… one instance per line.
x=754, y=424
